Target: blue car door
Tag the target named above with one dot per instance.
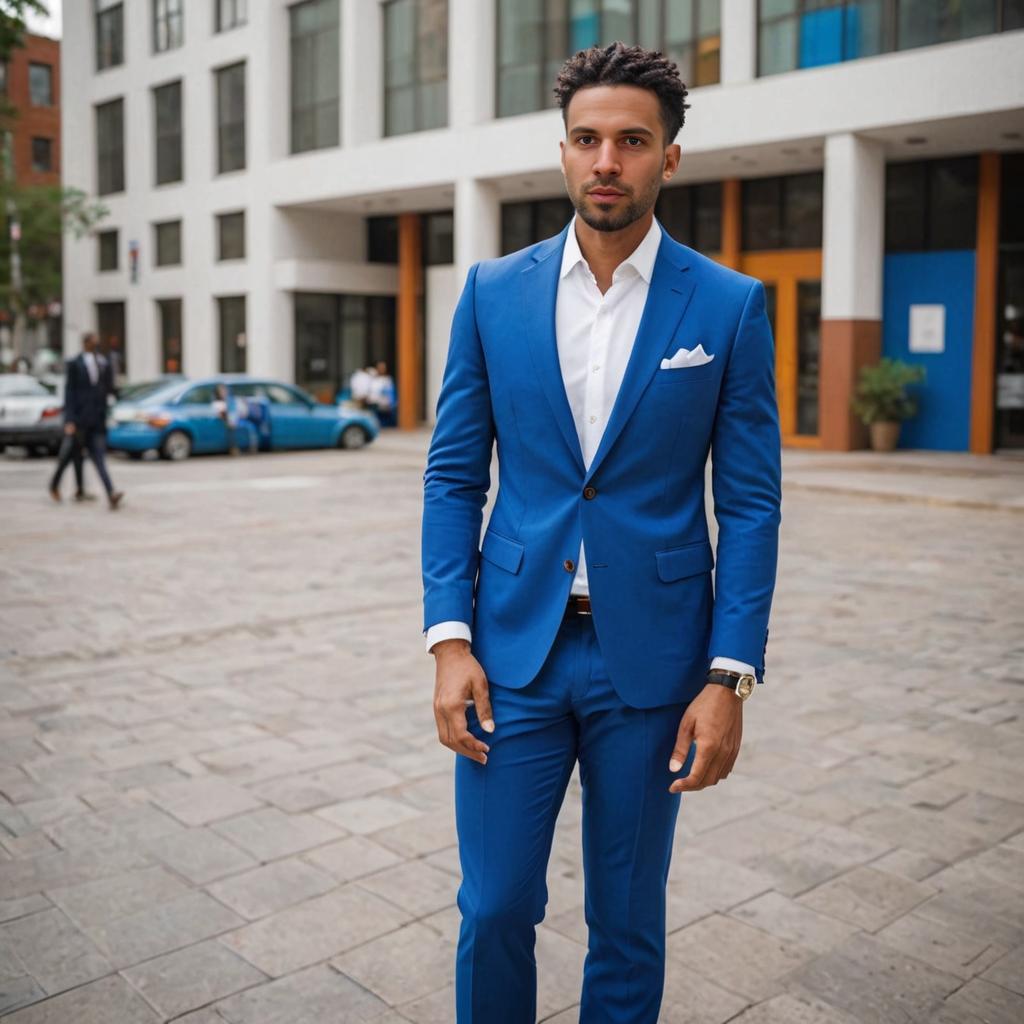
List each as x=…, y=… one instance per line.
x=196, y=408
x=291, y=418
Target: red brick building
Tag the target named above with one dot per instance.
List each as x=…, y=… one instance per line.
x=30, y=81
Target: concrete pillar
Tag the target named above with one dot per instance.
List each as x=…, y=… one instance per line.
x=477, y=224
x=853, y=250
x=471, y=62
x=739, y=41
x=362, y=71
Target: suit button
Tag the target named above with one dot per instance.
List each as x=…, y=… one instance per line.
x=589, y=492
x=569, y=565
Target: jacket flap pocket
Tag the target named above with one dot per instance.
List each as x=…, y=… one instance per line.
x=688, y=560
x=502, y=551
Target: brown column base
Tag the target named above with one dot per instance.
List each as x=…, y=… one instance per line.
x=846, y=346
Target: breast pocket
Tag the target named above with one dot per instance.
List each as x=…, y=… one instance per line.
x=682, y=374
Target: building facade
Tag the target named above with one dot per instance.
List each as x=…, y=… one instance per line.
x=300, y=188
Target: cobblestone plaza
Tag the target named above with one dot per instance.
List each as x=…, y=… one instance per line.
x=222, y=797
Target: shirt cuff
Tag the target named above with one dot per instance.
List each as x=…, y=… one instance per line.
x=449, y=630
x=731, y=665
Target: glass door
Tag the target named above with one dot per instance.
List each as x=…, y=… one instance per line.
x=792, y=281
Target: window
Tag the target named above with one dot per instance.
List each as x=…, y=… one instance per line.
x=40, y=85
x=692, y=214
x=3, y=78
x=231, y=236
x=169, y=313
x=536, y=36
x=110, y=147
x=782, y=213
x=167, y=248
x=110, y=326
x=315, y=75
x=168, y=25
x=167, y=115
x=230, y=14
x=280, y=395
x=807, y=33
x=931, y=205
x=382, y=239
x=231, y=314
x=231, y=118
x=527, y=222
x=107, y=242
x=201, y=394
x=109, y=27
x=438, y=238
x=415, y=65
x=42, y=155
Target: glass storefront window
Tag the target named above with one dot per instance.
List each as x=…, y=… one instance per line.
x=169, y=312
x=807, y=33
x=415, y=65
x=783, y=212
x=231, y=314
x=931, y=205
x=692, y=214
x=536, y=36
x=1009, y=398
x=808, y=312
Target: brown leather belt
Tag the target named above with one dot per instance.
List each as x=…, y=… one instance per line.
x=578, y=604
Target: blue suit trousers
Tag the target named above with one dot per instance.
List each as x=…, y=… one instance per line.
x=505, y=817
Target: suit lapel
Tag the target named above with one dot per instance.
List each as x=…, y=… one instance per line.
x=539, y=283
x=668, y=295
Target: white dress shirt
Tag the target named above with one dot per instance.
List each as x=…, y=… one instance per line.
x=586, y=322
x=91, y=366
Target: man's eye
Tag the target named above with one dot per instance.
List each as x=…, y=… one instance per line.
x=635, y=138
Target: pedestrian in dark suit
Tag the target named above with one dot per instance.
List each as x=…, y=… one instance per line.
x=90, y=379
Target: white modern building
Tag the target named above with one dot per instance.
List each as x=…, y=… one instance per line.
x=299, y=188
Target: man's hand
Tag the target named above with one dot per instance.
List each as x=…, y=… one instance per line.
x=714, y=718
x=460, y=676
x=69, y=429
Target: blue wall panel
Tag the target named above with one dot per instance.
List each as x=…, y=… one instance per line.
x=947, y=279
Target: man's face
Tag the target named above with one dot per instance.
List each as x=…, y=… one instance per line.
x=613, y=157
x=89, y=343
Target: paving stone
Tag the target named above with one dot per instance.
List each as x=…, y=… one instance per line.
x=1008, y=971
x=873, y=983
x=414, y=885
x=315, y=930
x=313, y=996
x=271, y=888
x=790, y=1009
x=181, y=981
x=351, y=858
x=933, y=943
x=779, y=915
x=109, y=898
x=927, y=831
x=269, y=833
x=402, y=966
x=709, y=947
x=368, y=814
x=867, y=898
x=17, y=991
x=200, y=855
x=690, y=998
x=979, y=1002
x=163, y=928
x=22, y=907
x=204, y=800
x=54, y=951
x=107, y=1001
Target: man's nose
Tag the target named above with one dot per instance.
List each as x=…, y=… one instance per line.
x=606, y=160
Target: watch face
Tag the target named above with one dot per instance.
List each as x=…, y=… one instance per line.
x=745, y=687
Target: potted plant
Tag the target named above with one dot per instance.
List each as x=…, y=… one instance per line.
x=882, y=402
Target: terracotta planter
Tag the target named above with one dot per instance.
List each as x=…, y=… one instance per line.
x=884, y=435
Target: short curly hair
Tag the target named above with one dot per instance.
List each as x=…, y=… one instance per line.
x=620, y=64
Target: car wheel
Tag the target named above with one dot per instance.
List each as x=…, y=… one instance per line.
x=177, y=446
x=353, y=436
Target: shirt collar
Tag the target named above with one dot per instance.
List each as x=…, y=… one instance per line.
x=641, y=259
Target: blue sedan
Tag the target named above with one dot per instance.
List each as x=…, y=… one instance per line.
x=181, y=419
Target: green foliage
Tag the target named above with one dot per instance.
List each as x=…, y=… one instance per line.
x=45, y=213
x=881, y=394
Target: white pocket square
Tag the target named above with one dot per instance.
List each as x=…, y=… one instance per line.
x=687, y=357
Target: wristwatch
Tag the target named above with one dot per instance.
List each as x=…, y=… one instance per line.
x=741, y=683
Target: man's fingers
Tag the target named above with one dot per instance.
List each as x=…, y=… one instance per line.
x=684, y=738
x=701, y=764
x=453, y=733
x=482, y=703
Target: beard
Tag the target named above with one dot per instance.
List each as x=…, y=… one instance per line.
x=627, y=211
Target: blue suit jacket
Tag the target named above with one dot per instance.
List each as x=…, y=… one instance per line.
x=659, y=620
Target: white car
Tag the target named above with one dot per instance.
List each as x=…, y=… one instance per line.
x=30, y=414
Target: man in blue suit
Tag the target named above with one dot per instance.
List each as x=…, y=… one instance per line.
x=607, y=362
